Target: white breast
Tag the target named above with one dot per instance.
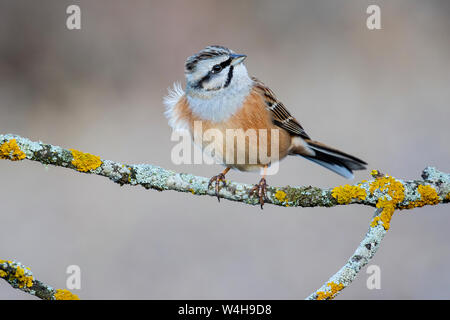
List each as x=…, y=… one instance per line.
x=219, y=105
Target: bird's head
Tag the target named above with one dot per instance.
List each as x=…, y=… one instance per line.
x=214, y=69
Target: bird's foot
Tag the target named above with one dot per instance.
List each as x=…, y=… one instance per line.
x=217, y=179
x=261, y=187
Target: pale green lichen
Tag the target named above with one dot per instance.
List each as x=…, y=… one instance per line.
x=307, y=197
x=428, y=196
x=154, y=177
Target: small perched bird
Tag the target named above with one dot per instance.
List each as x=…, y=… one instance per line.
x=221, y=95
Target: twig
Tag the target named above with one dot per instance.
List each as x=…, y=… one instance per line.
x=362, y=255
x=21, y=277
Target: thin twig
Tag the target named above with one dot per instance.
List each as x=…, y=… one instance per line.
x=21, y=277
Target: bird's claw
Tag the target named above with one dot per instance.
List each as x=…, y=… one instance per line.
x=217, y=179
x=261, y=187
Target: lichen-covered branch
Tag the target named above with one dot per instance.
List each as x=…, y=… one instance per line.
x=362, y=255
x=15, y=148
x=384, y=192
x=21, y=277
x=391, y=194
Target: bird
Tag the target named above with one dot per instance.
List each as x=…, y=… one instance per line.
x=220, y=95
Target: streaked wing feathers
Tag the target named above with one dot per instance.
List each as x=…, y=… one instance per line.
x=280, y=115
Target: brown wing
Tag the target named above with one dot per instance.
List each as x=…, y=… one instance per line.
x=280, y=116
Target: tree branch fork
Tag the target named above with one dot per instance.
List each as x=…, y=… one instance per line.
x=383, y=192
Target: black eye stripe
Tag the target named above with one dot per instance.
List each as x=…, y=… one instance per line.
x=224, y=64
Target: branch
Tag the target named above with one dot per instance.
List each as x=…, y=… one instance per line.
x=386, y=205
x=14, y=148
x=361, y=257
x=384, y=192
x=21, y=277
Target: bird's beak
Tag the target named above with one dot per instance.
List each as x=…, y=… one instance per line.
x=237, y=58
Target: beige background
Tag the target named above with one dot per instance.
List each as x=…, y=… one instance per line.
x=380, y=95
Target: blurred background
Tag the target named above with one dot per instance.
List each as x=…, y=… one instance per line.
x=382, y=95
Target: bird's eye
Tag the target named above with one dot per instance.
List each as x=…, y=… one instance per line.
x=217, y=68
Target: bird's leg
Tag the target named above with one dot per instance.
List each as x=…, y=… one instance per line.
x=217, y=179
x=261, y=187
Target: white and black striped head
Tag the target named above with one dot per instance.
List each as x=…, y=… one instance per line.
x=214, y=68
x=217, y=83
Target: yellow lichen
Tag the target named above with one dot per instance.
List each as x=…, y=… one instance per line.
x=393, y=187
x=84, y=161
x=331, y=293
x=23, y=279
x=64, y=294
x=345, y=194
x=428, y=195
x=280, y=195
x=6, y=261
x=385, y=216
x=395, y=193
x=10, y=150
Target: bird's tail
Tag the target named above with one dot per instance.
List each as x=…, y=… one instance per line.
x=333, y=159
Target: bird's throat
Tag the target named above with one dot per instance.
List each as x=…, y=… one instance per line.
x=218, y=105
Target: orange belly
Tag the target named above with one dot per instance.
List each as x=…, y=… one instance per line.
x=246, y=141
